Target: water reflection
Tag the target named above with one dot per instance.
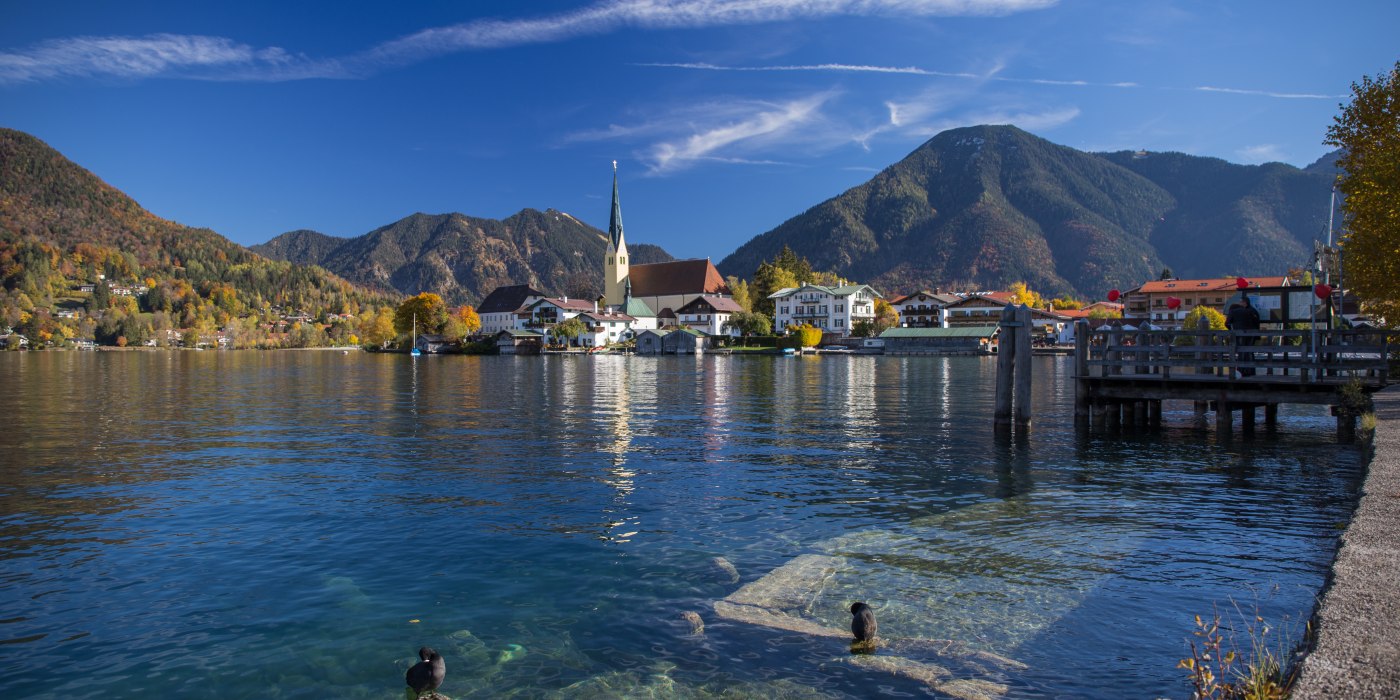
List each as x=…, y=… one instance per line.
x=185, y=522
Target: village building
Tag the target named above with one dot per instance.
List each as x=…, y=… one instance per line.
x=511, y=341
x=833, y=309
x=1153, y=301
x=498, y=310
x=710, y=315
x=680, y=341
x=982, y=309
x=966, y=340
x=434, y=344
x=549, y=312
x=662, y=286
x=922, y=309
x=605, y=328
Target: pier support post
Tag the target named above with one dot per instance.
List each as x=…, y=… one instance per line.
x=1154, y=412
x=1270, y=415
x=1081, y=370
x=1139, y=413
x=1201, y=407
x=1223, y=417
x=1098, y=414
x=1247, y=416
x=1115, y=415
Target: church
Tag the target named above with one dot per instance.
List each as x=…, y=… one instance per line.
x=663, y=287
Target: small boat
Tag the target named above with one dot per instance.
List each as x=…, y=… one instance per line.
x=415, y=352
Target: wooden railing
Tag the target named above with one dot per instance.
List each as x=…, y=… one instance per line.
x=1276, y=356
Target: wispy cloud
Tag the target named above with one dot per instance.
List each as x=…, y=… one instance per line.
x=136, y=57
x=1269, y=93
x=722, y=132
x=168, y=55
x=992, y=75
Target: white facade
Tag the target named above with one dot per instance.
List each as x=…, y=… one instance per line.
x=832, y=309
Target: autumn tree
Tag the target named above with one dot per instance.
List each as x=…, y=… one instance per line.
x=1021, y=294
x=428, y=310
x=885, y=316
x=811, y=335
x=769, y=278
x=1063, y=303
x=1217, y=319
x=1368, y=131
x=461, y=323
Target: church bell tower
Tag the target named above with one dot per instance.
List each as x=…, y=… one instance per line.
x=615, y=260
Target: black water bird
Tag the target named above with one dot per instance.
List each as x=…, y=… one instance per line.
x=863, y=624
x=426, y=675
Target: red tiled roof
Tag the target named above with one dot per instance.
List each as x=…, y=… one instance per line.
x=1218, y=284
x=676, y=277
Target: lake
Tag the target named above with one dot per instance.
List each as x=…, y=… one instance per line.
x=296, y=524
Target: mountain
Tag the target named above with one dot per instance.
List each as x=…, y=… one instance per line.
x=982, y=207
x=463, y=258
x=61, y=226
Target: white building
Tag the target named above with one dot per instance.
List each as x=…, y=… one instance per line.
x=709, y=314
x=832, y=309
x=498, y=311
x=605, y=328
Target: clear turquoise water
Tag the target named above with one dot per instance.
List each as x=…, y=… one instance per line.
x=297, y=524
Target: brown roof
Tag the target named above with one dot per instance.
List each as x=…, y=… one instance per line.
x=570, y=304
x=510, y=298
x=676, y=277
x=607, y=316
x=720, y=304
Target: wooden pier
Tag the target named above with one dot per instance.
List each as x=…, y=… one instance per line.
x=1123, y=376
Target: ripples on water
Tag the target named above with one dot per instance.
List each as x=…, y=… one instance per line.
x=297, y=524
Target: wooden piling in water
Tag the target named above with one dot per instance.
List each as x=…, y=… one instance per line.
x=1006, y=359
x=1270, y=415
x=1023, y=366
x=1081, y=369
x=1013, y=391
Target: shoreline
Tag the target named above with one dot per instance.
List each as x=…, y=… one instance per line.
x=1357, y=649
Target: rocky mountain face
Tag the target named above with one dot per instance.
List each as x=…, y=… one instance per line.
x=463, y=258
x=983, y=207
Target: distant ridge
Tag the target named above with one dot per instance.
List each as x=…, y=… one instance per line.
x=460, y=257
x=982, y=207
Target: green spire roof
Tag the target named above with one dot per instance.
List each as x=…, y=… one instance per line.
x=615, y=224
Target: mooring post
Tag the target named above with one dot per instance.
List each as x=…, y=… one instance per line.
x=1006, y=358
x=1023, y=366
x=1081, y=369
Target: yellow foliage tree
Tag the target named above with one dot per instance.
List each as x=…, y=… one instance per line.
x=1021, y=294
x=811, y=335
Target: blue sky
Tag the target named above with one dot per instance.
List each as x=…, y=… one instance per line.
x=727, y=117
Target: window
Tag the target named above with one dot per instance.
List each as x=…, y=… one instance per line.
x=610, y=259
x=622, y=260
x=840, y=308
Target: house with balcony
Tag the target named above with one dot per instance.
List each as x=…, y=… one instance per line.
x=833, y=309
x=605, y=327
x=544, y=314
x=709, y=314
x=498, y=310
x=981, y=309
x=922, y=309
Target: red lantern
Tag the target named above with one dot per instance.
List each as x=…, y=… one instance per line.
x=1173, y=303
x=1113, y=295
x=1241, y=283
x=1322, y=291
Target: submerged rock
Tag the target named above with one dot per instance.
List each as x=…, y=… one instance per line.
x=725, y=570
x=511, y=652
x=697, y=625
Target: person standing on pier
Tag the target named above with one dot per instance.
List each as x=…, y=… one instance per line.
x=1244, y=317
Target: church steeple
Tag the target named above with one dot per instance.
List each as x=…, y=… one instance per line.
x=615, y=223
x=615, y=272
